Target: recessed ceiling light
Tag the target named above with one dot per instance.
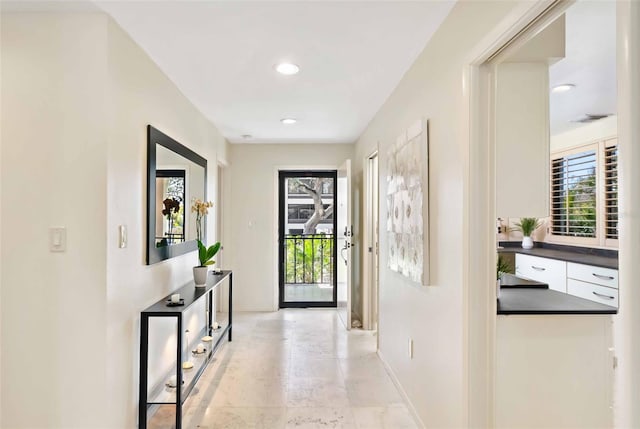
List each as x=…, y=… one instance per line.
x=287, y=69
x=247, y=136
x=563, y=88
x=288, y=121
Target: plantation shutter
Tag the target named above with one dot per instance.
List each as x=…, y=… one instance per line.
x=611, y=190
x=573, y=194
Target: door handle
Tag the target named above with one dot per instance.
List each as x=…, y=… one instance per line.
x=603, y=277
x=603, y=296
x=346, y=246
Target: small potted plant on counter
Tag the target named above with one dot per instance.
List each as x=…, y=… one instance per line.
x=502, y=266
x=205, y=254
x=527, y=225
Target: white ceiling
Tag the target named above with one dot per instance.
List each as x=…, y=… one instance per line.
x=590, y=64
x=352, y=54
x=221, y=55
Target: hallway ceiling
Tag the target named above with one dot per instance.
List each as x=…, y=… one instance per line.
x=221, y=55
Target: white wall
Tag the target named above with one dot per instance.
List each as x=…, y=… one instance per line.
x=595, y=131
x=77, y=95
x=435, y=317
x=0, y=229
x=140, y=94
x=53, y=174
x=251, y=190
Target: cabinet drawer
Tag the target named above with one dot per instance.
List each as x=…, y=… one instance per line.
x=588, y=273
x=601, y=294
x=550, y=271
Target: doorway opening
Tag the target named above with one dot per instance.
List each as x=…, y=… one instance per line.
x=307, y=224
x=370, y=258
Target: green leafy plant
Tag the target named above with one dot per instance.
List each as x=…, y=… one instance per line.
x=527, y=225
x=502, y=266
x=309, y=259
x=206, y=254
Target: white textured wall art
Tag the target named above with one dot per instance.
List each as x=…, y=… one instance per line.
x=407, y=208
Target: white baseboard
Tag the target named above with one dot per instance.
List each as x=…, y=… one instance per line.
x=404, y=395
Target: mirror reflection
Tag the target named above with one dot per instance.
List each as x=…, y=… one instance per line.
x=178, y=182
x=176, y=177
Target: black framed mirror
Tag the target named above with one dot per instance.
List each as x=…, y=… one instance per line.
x=176, y=176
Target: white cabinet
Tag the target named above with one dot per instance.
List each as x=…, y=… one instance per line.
x=550, y=271
x=585, y=281
x=588, y=273
x=554, y=372
x=593, y=292
x=593, y=283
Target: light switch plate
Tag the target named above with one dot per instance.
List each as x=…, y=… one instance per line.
x=58, y=239
x=122, y=236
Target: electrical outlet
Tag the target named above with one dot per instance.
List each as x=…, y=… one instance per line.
x=410, y=350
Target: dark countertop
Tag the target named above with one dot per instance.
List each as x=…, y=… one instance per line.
x=540, y=300
x=509, y=281
x=564, y=253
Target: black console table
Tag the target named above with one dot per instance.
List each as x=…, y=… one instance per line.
x=184, y=378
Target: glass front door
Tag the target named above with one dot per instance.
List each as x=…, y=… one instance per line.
x=307, y=240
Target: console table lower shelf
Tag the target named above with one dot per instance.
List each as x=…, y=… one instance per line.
x=176, y=391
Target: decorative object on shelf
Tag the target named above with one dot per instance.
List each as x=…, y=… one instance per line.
x=175, y=300
x=187, y=364
x=205, y=255
x=207, y=338
x=215, y=326
x=201, y=209
x=527, y=225
x=502, y=266
x=199, y=350
x=200, y=275
x=172, y=382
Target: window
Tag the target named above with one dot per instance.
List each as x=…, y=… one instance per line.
x=584, y=189
x=611, y=190
x=573, y=190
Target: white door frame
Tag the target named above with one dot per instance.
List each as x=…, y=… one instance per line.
x=480, y=200
x=222, y=298
x=627, y=322
x=369, y=291
x=479, y=249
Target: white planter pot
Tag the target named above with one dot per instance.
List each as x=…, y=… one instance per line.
x=200, y=276
x=527, y=243
x=498, y=289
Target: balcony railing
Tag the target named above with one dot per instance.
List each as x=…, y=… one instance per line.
x=308, y=259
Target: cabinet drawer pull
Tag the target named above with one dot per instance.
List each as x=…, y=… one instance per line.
x=603, y=296
x=538, y=268
x=600, y=276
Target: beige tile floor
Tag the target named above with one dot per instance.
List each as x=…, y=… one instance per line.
x=295, y=368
